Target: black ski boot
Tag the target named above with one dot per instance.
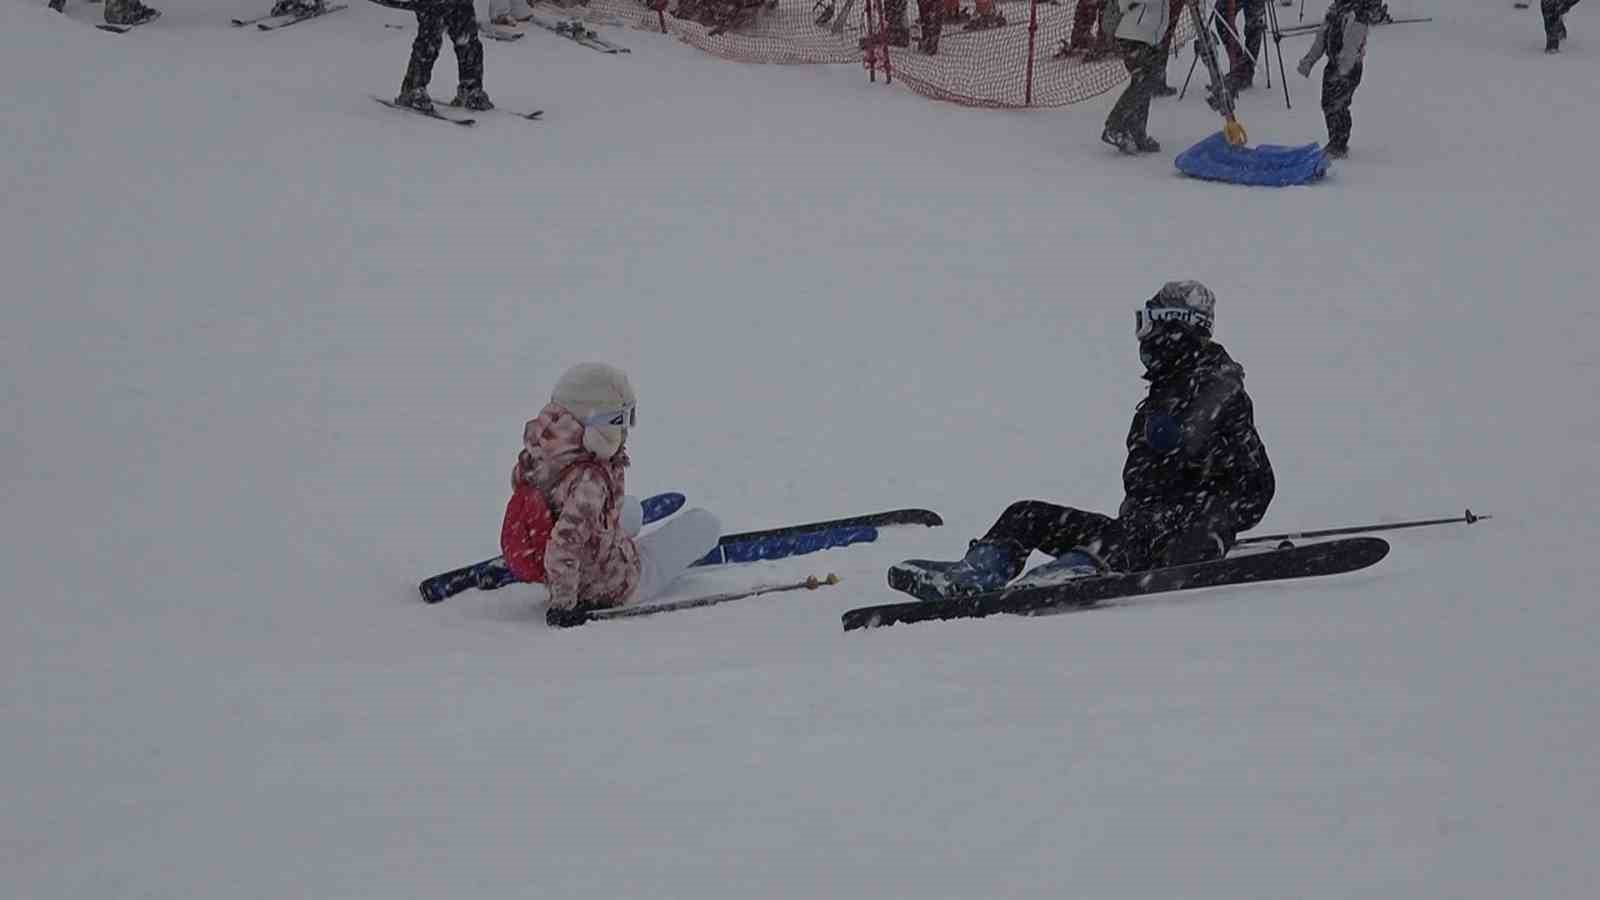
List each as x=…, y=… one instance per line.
x=1121, y=141
x=415, y=98
x=296, y=7
x=128, y=12
x=472, y=98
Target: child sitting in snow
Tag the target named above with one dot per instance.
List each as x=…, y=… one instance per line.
x=1343, y=38
x=569, y=523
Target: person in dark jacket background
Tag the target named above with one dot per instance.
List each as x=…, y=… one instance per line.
x=434, y=18
x=1196, y=474
x=1555, y=22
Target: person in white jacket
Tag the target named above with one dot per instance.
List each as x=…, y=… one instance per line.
x=1140, y=33
x=1343, y=39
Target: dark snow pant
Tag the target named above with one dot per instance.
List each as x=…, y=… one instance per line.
x=1241, y=59
x=894, y=14
x=1554, y=11
x=1336, y=96
x=1147, y=68
x=433, y=19
x=1151, y=539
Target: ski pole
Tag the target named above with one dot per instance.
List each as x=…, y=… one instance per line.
x=1277, y=41
x=1469, y=519
x=1192, y=66
x=556, y=617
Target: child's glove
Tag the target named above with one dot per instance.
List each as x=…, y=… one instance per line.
x=632, y=515
x=1305, y=67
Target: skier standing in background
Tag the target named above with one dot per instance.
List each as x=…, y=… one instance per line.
x=1141, y=33
x=1343, y=39
x=434, y=17
x=1196, y=474
x=1555, y=24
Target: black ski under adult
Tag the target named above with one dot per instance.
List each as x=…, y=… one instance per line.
x=1310, y=560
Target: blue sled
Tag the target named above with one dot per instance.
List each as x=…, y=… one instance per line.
x=1268, y=165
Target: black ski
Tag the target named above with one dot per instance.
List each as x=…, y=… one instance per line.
x=273, y=25
x=575, y=30
x=432, y=115
x=1329, y=558
x=535, y=116
x=240, y=23
x=876, y=520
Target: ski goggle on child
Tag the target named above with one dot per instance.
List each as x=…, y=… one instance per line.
x=622, y=417
x=1146, y=319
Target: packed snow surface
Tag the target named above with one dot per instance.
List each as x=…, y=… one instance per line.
x=266, y=349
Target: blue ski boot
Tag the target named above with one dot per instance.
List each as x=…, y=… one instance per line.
x=987, y=566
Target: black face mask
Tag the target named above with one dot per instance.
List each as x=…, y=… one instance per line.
x=1163, y=350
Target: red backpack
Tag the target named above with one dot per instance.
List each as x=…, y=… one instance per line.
x=525, y=532
x=526, y=529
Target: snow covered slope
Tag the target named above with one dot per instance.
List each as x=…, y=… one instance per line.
x=266, y=348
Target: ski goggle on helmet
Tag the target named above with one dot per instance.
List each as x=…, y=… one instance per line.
x=1146, y=320
x=1188, y=304
x=621, y=417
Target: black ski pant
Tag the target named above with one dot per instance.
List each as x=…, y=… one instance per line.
x=433, y=19
x=1146, y=539
x=1241, y=59
x=1337, y=93
x=1554, y=11
x=1147, y=71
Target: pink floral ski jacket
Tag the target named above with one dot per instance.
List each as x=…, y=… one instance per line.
x=589, y=558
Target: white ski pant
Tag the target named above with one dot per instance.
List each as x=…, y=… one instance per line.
x=667, y=552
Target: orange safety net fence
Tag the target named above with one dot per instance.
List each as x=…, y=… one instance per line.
x=966, y=57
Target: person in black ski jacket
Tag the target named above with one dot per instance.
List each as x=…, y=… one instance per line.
x=434, y=18
x=1196, y=475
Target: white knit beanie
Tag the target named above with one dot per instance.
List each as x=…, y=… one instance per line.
x=595, y=391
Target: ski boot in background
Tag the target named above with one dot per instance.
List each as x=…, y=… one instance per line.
x=472, y=98
x=129, y=12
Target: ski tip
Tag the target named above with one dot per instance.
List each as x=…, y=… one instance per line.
x=534, y=116
x=661, y=506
